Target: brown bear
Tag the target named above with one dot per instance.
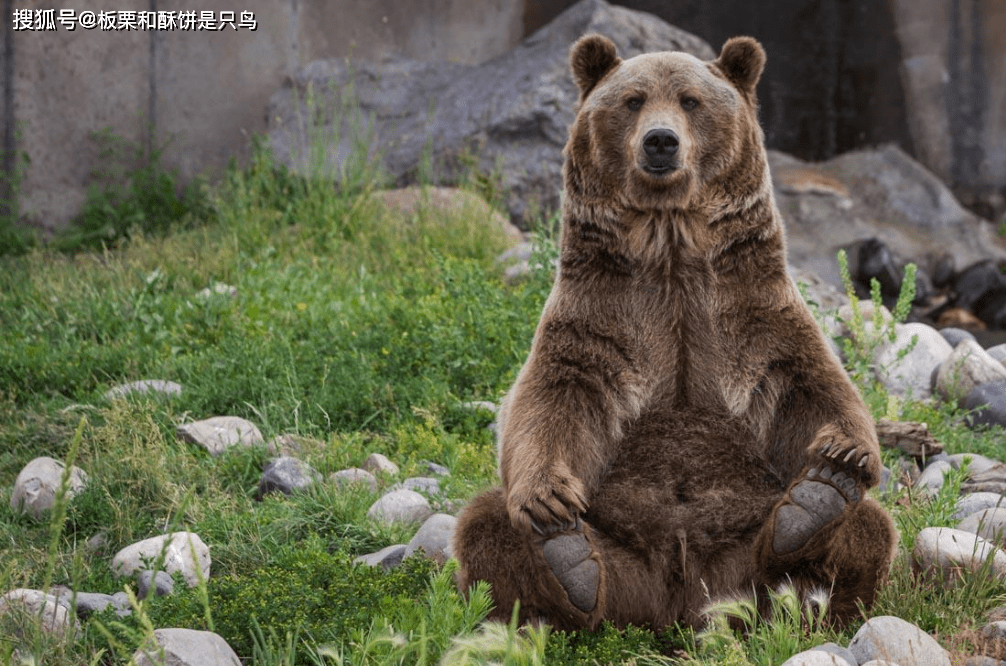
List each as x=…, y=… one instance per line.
x=680, y=431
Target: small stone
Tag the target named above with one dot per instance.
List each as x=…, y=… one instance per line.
x=96, y=542
x=910, y=374
x=163, y=584
x=283, y=445
x=956, y=335
x=423, y=484
x=286, y=475
x=816, y=657
x=991, y=480
x=967, y=367
x=400, y=506
x=389, y=557
x=976, y=502
x=32, y=604
x=483, y=405
x=37, y=484
x=898, y=641
x=219, y=433
x=354, y=476
x=931, y=479
x=157, y=387
x=995, y=630
x=178, y=556
x=947, y=552
x=998, y=352
x=989, y=524
x=434, y=538
x=845, y=314
x=378, y=463
x=186, y=647
x=438, y=470
x=89, y=603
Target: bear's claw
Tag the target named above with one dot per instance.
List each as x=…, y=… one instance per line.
x=813, y=503
x=569, y=557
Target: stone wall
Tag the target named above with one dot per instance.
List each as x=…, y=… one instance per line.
x=206, y=92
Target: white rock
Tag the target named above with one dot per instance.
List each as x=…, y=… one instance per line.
x=186, y=647
x=998, y=353
x=286, y=475
x=434, y=537
x=178, y=556
x=995, y=630
x=912, y=374
x=967, y=367
x=989, y=524
x=400, y=506
x=159, y=387
x=379, y=463
x=34, y=604
x=946, y=552
x=353, y=476
x=483, y=405
x=219, y=433
x=816, y=658
x=897, y=641
x=35, y=487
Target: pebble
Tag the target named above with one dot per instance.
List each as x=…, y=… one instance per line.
x=219, y=433
x=987, y=403
x=379, y=463
x=989, y=524
x=434, y=538
x=945, y=551
x=956, y=335
x=354, y=476
x=967, y=367
x=931, y=479
x=187, y=647
x=400, y=506
x=162, y=582
x=177, y=556
x=157, y=387
x=286, y=475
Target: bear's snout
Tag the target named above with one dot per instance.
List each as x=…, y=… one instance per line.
x=661, y=146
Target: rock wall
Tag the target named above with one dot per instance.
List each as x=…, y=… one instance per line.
x=206, y=92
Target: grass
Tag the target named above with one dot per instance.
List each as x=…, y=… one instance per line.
x=355, y=330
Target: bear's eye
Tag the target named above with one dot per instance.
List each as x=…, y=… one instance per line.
x=689, y=103
x=634, y=103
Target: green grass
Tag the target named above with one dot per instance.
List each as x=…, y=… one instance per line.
x=356, y=330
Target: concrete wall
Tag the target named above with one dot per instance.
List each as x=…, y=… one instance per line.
x=206, y=91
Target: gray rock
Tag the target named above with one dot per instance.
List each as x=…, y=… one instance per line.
x=967, y=367
x=911, y=374
x=36, y=486
x=354, y=476
x=286, y=475
x=400, y=506
x=186, y=647
x=989, y=524
x=378, y=463
x=998, y=352
x=96, y=542
x=995, y=630
x=976, y=502
x=819, y=291
x=816, y=657
x=977, y=464
x=162, y=582
x=845, y=316
x=158, y=387
x=183, y=553
x=88, y=603
x=389, y=557
x=283, y=445
x=931, y=479
x=981, y=660
x=838, y=651
x=955, y=335
x=219, y=433
x=422, y=484
x=891, y=638
x=943, y=552
x=887, y=481
x=438, y=470
x=512, y=112
x=991, y=480
x=32, y=604
x=434, y=538
x=987, y=403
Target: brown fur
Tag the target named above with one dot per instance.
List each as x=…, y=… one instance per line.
x=677, y=385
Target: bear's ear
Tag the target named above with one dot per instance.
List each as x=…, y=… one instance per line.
x=742, y=61
x=591, y=57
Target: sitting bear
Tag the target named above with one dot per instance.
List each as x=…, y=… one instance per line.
x=680, y=432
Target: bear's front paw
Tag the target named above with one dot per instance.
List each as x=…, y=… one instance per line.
x=546, y=502
x=857, y=460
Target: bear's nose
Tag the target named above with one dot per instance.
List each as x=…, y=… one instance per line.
x=660, y=142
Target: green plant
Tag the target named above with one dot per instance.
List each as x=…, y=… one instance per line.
x=132, y=194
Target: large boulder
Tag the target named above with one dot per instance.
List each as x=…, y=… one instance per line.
x=509, y=115
x=877, y=193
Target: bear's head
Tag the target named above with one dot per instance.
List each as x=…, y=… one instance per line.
x=665, y=131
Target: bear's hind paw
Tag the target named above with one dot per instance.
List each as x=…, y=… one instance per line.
x=569, y=556
x=813, y=503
